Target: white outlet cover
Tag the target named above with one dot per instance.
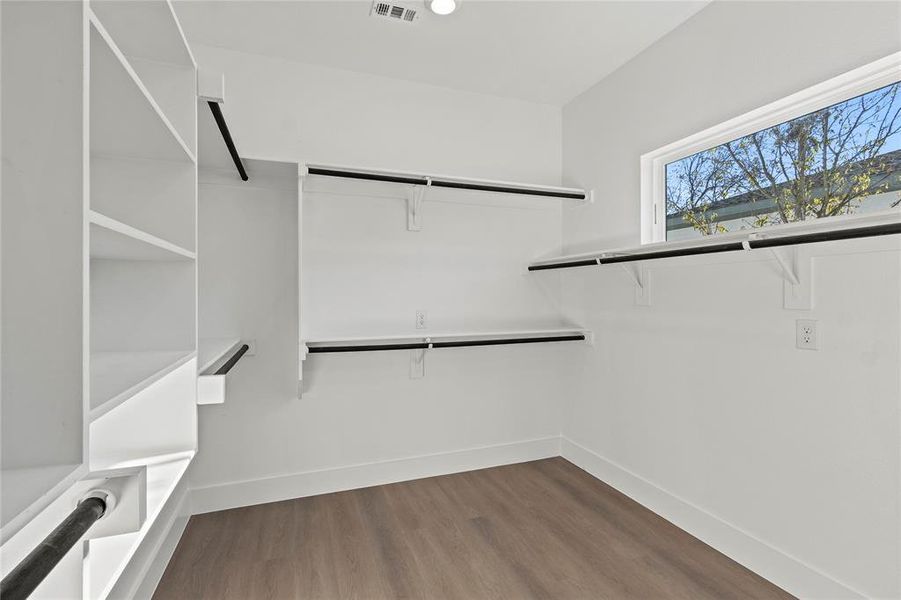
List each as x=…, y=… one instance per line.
x=806, y=335
x=420, y=319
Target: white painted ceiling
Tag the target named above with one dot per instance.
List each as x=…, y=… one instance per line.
x=541, y=51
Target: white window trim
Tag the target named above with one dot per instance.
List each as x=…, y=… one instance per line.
x=859, y=81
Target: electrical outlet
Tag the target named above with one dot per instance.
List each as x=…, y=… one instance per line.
x=420, y=319
x=806, y=334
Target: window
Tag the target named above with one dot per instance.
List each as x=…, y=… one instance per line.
x=785, y=163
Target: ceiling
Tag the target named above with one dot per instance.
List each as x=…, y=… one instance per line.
x=540, y=51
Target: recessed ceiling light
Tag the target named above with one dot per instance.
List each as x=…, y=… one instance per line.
x=443, y=7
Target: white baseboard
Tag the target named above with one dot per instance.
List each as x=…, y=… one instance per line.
x=310, y=483
x=774, y=565
x=782, y=569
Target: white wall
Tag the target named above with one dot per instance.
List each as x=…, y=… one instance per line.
x=474, y=407
x=699, y=406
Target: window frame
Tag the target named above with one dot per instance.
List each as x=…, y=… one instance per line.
x=861, y=80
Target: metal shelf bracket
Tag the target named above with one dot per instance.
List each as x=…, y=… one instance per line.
x=414, y=205
x=417, y=361
x=641, y=278
x=797, y=272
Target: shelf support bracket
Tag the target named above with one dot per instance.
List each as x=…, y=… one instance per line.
x=414, y=205
x=641, y=278
x=796, y=265
x=417, y=361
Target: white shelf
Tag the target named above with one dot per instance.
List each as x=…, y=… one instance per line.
x=117, y=376
x=420, y=335
x=109, y=556
x=155, y=196
x=447, y=182
x=125, y=119
x=775, y=231
x=111, y=239
x=213, y=350
x=147, y=29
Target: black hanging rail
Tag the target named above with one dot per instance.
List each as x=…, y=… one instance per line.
x=751, y=244
x=227, y=365
x=447, y=344
x=446, y=183
x=227, y=136
x=28, y=574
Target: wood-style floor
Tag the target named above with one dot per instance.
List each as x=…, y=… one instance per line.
x=543, y=529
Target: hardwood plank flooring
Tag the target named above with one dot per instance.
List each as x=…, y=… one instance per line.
x=543, y=529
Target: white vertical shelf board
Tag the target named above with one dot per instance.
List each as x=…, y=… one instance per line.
x=301, y=347
x=125, y=119
x=43, y=409
x=141, y=115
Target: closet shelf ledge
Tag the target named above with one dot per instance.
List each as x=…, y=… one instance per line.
x=434, y=181
x=112, y=239
x=426, y=340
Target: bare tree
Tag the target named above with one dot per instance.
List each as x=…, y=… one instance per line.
x=818, y=165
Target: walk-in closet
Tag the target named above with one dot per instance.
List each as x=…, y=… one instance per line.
x=450, y=299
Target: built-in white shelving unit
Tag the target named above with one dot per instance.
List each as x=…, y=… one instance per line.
x=109, y=102
x=142, y=224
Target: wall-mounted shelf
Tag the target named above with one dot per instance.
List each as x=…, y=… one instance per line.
x=425, y=340
x=125, y=119
x=757, y=239
x=787, y=245
x=442, y=181
x=419, y=343
x=416, y=186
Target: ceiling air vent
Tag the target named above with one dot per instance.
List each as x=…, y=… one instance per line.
x=393, y=11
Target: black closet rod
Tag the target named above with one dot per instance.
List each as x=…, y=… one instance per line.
x=445, y=183
x=227, y=136
x=28, y=574
x=753, y=244
x=227, y=365
x=448, y=344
